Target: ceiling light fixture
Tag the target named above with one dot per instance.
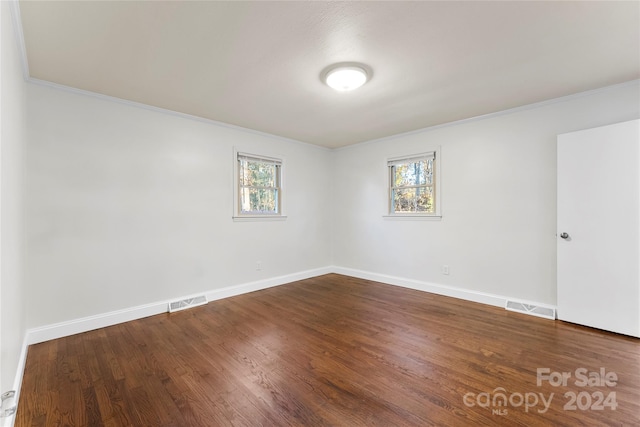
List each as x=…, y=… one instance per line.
x=346, y=77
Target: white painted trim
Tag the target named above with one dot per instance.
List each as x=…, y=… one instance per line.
x=19, y=34
x=134, y=104
x=253, y=218
x=232, y=291
x=76, y=326
x=17, y=382
x=19, y=31
x=436, y=152
x=237, y=216
x=509, y=111
x=1, y=197
x=494, y=114
x=62, y=329
x=410, y=217
x=15, y=9
x=434, y=288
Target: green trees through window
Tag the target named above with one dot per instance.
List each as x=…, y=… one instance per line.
x=259, y=185
x=412, y=185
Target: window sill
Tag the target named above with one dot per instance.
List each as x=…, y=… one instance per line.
x=250, y=218
x=410, y=217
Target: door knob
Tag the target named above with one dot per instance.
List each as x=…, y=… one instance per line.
x=564, y=235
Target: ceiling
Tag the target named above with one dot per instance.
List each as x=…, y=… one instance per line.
x=258, y=64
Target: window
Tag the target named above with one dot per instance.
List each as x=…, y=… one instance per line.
x=259, y=186
x=412, y=185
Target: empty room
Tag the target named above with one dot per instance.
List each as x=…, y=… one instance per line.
x=311, y=213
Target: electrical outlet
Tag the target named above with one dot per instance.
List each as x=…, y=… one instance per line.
x=445, y=270
x=258, y=265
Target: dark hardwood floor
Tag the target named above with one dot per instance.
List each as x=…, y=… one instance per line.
x=333, y=351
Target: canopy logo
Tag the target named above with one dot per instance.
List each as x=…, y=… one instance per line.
x=499, y=399
x=588, y=398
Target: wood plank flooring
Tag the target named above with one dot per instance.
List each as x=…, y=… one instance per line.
x=331, y=351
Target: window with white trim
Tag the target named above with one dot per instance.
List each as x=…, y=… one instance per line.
x=412, y=185
x=259, y=185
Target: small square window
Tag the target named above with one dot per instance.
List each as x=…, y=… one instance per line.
x=259, y=186
x=412, y=185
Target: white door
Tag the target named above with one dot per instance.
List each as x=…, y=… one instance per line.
x=599, y=227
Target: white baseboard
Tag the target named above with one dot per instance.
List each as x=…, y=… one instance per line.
x=76, y=326
x=245, y=288
x=89, y=323
x=71, y=327
x=434, y=288
x=17, y=381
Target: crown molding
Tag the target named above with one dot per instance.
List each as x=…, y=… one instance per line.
x=495, y=114
x=19, y=34
x=168, y=112
x=17, y=24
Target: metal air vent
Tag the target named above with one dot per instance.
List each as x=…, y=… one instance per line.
x=187, y=303
x=534, y=310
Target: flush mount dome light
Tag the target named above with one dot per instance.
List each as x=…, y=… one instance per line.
x=344, y=78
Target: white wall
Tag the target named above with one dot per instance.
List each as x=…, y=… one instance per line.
x=128, y=206
x=12, y=143
x=497, y=233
